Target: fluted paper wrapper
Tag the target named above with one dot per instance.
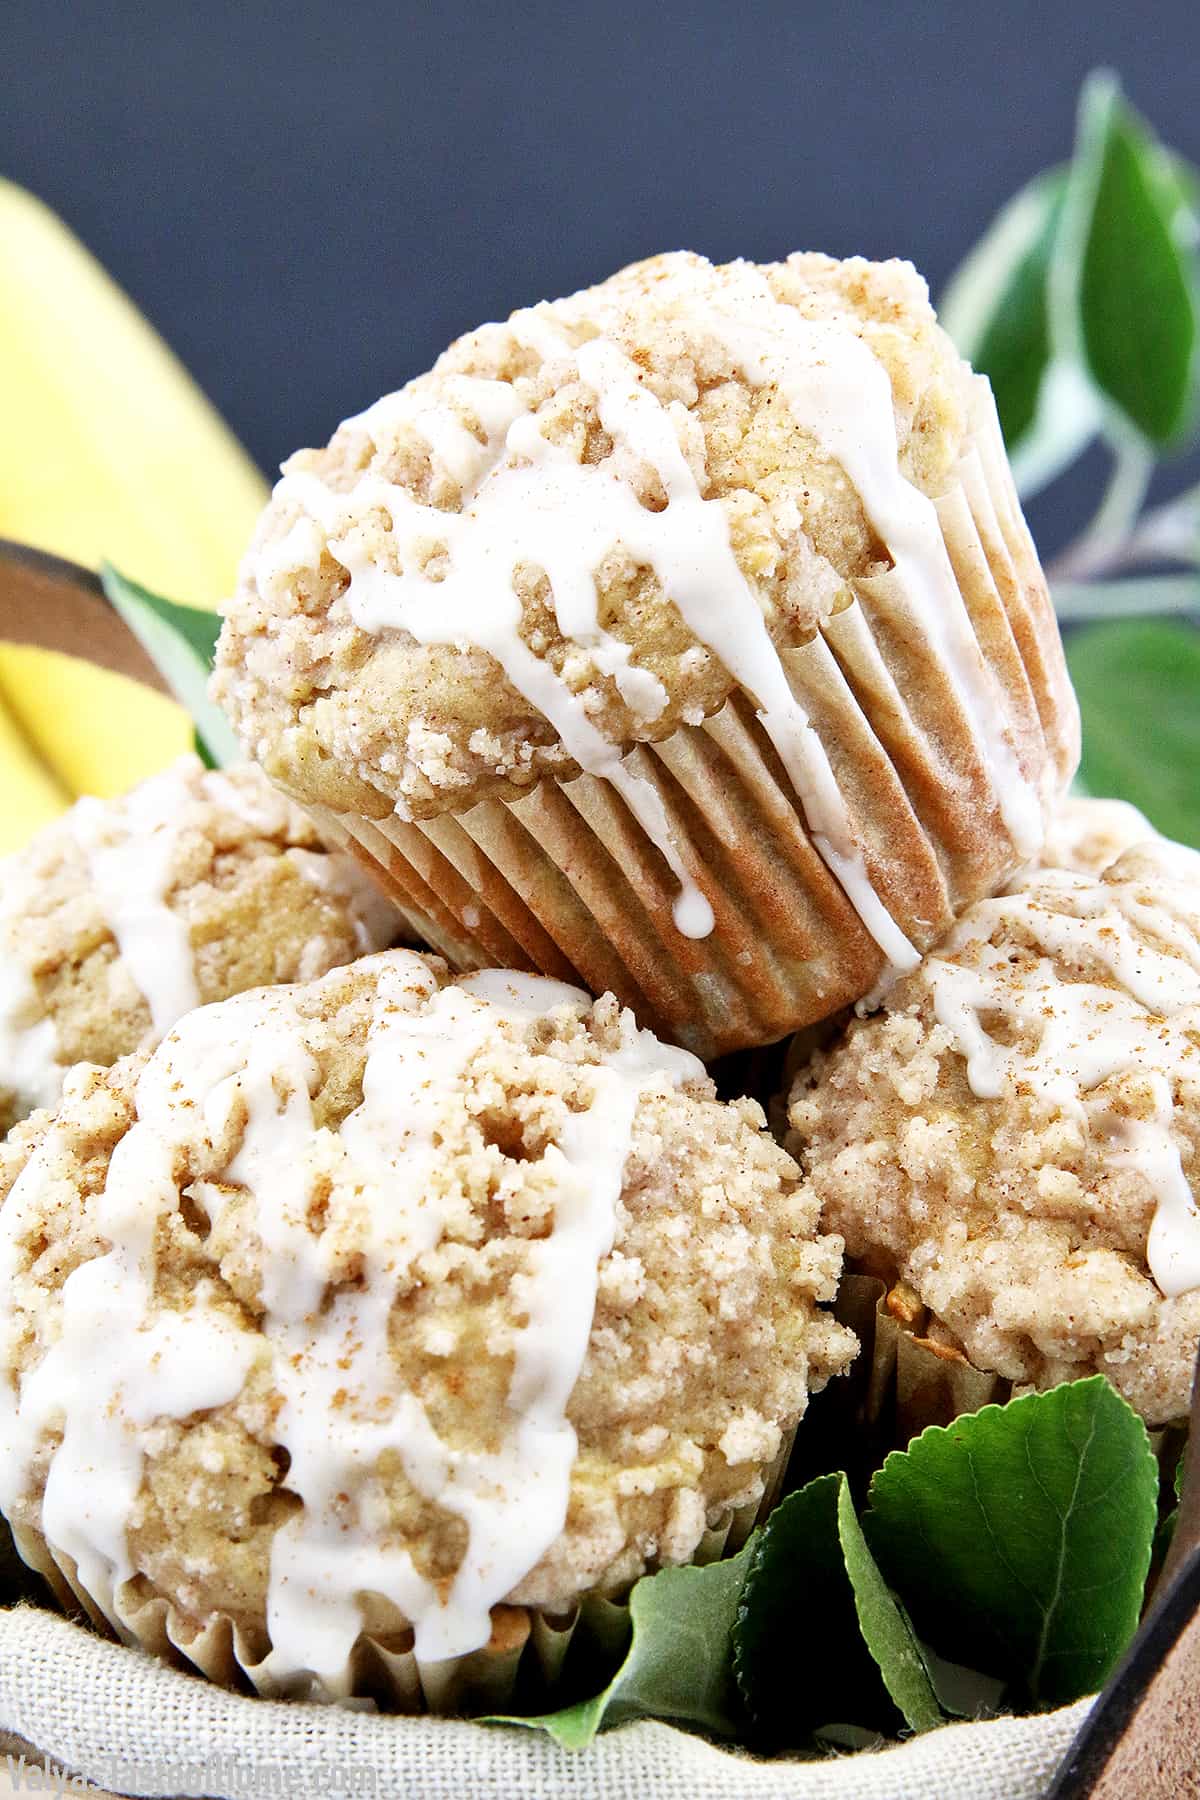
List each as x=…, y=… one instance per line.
x=563, y=880
x=904, y=1380
x=524, y=1658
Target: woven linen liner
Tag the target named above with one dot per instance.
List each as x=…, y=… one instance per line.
x=379, y=1672
x=121, y=1720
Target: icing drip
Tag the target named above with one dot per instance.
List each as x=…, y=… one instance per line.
x=131, y=850
x=838, y=390
x=719, y=606
x=1095, y=1047
x=327, y=1339
x=252, y=799
x=1089, y=834
x=464, y=453
x=29, y=1065
x=113, y=1371
x=371, y=913
x=513, y=1499
x=527, y=503
x=553, y=512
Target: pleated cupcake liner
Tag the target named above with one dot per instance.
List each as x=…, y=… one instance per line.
x=906, y=1379
x=524, y=1660
x=563, y=880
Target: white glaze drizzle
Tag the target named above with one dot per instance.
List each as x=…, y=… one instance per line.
x=719, y=606
x=539, y=513
x=553, y=513
x=465, y=454
x=838, y=390
x=29, y=1065
x=1086, y=1033
x=371, y=913
x=1088, y=833
x=130, y=847
x=330, y=1362
x=113, y=1371
x=131, y=850
x=246, y=793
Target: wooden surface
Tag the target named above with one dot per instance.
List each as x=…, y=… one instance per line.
x=1158, y=1758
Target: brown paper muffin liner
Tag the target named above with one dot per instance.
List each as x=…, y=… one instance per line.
x=563, y=881
x=903, y=1379
x=523, y=1661
x=906, y=1379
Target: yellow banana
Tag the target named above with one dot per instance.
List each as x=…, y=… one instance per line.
x=29, y=794
x=98, y=732
x=108, y=449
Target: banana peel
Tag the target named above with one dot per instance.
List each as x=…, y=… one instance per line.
x=88, y=730
x=31, y=794
x=108, y=450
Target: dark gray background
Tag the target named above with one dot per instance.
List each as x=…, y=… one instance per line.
x=310, y=201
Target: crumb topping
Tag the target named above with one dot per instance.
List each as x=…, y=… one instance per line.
x=391, y=1162
x=1017, y=1136
x=123, y=914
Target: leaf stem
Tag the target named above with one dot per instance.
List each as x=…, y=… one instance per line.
x=1110, y=530
x=1168, y=533
x=1077, y=601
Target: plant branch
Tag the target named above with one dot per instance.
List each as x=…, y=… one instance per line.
x=1110, y=530
x=1168, y=533
x=1078, y=601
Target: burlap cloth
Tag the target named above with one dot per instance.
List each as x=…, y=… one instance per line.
x=128, y=1725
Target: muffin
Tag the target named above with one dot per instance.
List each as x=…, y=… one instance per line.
x=1088, y=834
x=361, y=1328
x=682, y=637
x=1015, y=1140
x=121, y=916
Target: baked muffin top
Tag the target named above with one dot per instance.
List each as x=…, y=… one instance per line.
x=591, y=524
x=123, y=914
x=1017, y=1136
x=370, y=1303
x=1087, y=834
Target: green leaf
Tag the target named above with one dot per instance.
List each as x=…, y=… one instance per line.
x=1138, y=682
x=997, y=310
x=1020, y=1536
x=995, y=307
x=864, y=1667
x=1125, y=292
x=180, y=640
x=202, y=751
x=679, y=1662
x=1187, y=177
